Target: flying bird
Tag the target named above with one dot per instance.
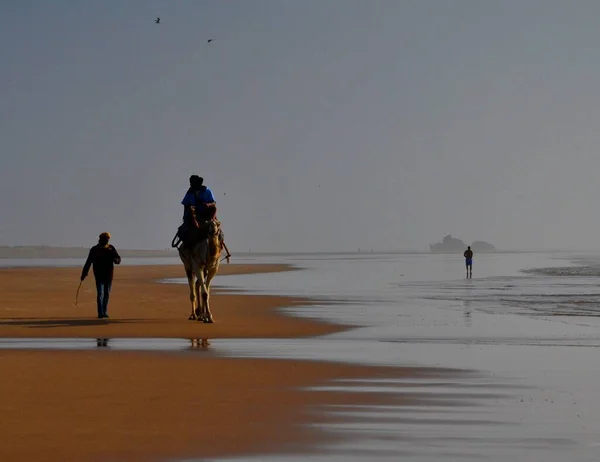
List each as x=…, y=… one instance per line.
x=157, y=21
x=210, y=40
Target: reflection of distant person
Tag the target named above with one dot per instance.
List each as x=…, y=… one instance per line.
x=103, y=256
x=469, y=261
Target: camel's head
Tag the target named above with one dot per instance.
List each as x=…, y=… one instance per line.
x=213, y=229
x=214, y=238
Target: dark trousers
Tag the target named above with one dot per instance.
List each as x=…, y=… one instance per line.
x=103, y=292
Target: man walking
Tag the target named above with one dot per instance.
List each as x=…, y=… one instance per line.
x=469, y=261
x=103, y=257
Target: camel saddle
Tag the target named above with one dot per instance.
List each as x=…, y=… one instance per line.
x=188, y=235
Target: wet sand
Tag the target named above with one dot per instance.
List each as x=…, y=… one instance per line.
x=130, y=406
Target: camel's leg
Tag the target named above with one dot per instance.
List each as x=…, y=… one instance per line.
x=201, y=309
x=206, y=295
x=200, y=287
x=198, y=269
x=193, y=297
x=188, y=264
x=198, y=310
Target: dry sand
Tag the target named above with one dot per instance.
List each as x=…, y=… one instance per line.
x=134, y=406
x=40, y=302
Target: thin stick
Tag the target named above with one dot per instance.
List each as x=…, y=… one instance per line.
x=228, y=256
x=77, y=294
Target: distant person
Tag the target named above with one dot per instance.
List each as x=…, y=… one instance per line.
x=198, y=203
x=469, y=261
x=103, y=257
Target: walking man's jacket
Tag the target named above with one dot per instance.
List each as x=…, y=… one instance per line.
x=103, y=258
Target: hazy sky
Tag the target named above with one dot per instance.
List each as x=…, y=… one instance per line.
x=318, y=124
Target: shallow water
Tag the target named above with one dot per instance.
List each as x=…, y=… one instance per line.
x=118, y=344
x=528, y=341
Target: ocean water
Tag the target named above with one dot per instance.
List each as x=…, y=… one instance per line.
x=518, y=343
x=526, y=328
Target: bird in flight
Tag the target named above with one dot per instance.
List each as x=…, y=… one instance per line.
x=157, y=21
x=210, y=40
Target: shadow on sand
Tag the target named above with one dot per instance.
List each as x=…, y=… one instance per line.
x=68, y=322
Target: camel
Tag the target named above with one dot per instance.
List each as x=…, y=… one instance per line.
x=201, y=262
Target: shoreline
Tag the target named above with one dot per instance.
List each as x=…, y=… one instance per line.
x=157, y=406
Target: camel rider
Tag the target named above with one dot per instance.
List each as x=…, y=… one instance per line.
x=199, y=206
x=199, y=202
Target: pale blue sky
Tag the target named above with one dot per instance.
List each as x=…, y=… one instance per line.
x=329, y=124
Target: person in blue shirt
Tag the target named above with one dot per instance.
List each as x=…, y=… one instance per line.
x=198, y=203
x=199, y=206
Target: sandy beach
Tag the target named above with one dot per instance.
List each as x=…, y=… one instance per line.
x=130, y=406
x=40, y=302
x=434, y=367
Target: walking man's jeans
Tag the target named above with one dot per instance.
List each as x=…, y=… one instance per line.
x=103, y=290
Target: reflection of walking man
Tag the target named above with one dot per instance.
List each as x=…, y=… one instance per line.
x=103, y=256
x=469, y=261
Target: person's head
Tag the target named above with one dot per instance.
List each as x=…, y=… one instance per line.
x=104, y=238
x=196, y=182
x=469, y=248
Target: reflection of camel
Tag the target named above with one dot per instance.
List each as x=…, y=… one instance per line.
x=199, y=343
x=201, y=262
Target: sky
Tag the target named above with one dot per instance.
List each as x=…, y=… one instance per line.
x=320, y=125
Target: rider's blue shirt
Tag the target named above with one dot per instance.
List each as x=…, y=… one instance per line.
x=202, y=198
x=197, y=199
